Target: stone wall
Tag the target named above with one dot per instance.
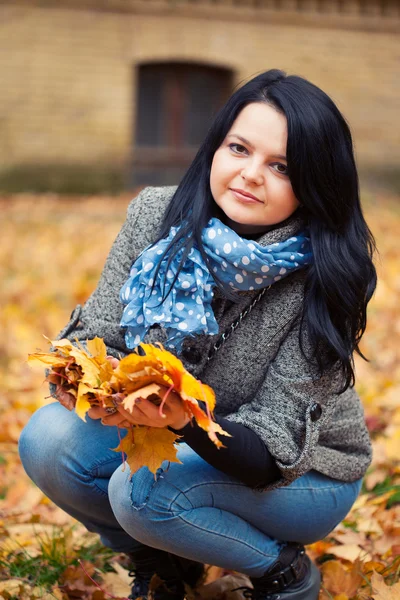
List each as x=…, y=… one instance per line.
x=68, y=74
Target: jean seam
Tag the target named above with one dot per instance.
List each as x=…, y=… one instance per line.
x=100, y=490
x=286, y=488
x=225, y=537
x=101, y=464
x=197, y=485
x=96, y=476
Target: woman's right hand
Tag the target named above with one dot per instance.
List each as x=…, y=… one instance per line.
x=99, y=412
x=112, y=418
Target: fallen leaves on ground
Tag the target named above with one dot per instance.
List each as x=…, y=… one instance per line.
x=51, y=255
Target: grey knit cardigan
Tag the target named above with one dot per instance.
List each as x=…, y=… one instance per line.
x=260, y=376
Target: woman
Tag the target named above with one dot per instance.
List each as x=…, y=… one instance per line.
x=265, y=231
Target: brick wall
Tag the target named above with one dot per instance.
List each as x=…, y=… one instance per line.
x=68, y=75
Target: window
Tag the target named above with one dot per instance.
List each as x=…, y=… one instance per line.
x=176, y=103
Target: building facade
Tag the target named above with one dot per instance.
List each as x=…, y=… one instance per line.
x=130, y=86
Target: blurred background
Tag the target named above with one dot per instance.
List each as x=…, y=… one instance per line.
x=100, y=98
x=104, y=95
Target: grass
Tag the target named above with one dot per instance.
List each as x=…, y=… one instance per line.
x=45, y=568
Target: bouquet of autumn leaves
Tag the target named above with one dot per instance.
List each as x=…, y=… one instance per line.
x=86, y=378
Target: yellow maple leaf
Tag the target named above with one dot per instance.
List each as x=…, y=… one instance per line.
x=82, y=403
x=45, y=358
x=88, y=365
x=97, y=349
x=148, y=447
x=64, y=344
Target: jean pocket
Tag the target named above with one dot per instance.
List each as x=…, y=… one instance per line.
x=142, y=484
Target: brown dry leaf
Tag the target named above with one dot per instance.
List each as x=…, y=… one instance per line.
x=25, y=536
x=350, y=552
x=381, y=591
x=221, y=589
x=76, y=582
x=40, y=288
x=376, y=476
x=55, y=594
x=393, y=446
x=338, y=580
x=148, y=447
x=384, y=543
x=119, y=583
x=22, y=497
x=347, y=536
x=11, y=588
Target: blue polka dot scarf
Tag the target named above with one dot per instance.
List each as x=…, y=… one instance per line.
x=240, y=263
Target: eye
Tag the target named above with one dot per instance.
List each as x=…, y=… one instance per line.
x=239, y=148
x=280, y=168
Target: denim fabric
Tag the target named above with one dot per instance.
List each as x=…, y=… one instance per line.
x=189, y=509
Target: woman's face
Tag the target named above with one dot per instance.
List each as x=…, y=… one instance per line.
x=252, y=158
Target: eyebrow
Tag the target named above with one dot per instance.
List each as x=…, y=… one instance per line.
x=242, y=139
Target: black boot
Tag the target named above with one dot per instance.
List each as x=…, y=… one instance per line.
x=172, y=572
x=293, y=576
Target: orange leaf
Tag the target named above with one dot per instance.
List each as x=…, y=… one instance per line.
x=144, y=392
x=206, y=423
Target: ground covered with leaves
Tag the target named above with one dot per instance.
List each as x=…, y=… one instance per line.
x=51, y=254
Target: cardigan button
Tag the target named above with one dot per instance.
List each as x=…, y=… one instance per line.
x=191, y=354
x=315, y=412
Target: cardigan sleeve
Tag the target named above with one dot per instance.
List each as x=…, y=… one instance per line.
x=101, y=314
x=243, y=456
x=289, y=408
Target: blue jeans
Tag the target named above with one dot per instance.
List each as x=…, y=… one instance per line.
x=189, y=509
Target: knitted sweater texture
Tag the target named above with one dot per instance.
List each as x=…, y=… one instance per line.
x=260, y=376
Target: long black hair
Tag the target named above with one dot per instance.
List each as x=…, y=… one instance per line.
x=324, y=179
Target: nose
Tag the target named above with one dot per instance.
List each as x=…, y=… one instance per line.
x=252, y=171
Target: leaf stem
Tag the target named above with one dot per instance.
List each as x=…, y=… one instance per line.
x=122, y=452
x=97, y=585
x=160, y=408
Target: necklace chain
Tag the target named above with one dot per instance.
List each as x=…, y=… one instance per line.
x=227, y=334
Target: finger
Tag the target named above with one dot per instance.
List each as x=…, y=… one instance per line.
x=114, y=420
x=114, y=361
x=96, y=413
x=149, y=410
x=137, y=416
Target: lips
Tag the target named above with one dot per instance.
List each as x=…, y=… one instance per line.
x=245, y=194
